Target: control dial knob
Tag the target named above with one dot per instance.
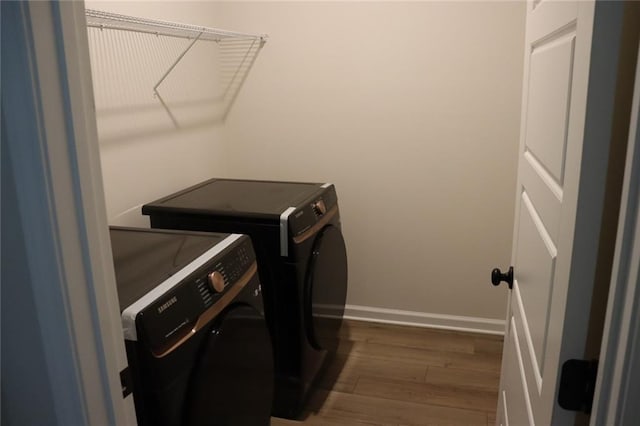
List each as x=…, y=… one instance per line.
x=319, y=208
x=216, y=281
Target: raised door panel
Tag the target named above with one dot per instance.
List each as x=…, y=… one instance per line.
x=543, y=192
x=548, y=103
x=514, y=407
x=536, y=255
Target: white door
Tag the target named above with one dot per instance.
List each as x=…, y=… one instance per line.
x=568, y=97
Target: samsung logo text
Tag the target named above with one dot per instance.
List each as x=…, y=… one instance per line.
x=167, y=304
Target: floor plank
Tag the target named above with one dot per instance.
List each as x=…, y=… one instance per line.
x=385, y=411
x=412, y=337
x=488, y=344
x=428, y=393
x=432, y=357
x=491, y=419
x=396, y=375
x=344, y=372
x=474, y=379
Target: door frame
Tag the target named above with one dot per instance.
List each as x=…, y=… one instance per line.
x=52, y=146
x=617, y=385
x=89, y=320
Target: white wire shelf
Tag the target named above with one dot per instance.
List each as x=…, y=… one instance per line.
x=148, y=51
x=107, y=20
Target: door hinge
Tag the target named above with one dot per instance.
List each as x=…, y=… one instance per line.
x=577, y=385
x=126, y=381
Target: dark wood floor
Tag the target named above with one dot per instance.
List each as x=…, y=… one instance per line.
x=396, y=375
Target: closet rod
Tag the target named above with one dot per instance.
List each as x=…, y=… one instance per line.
x=107, y=20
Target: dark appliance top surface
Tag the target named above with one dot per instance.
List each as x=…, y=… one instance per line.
x=143, y=258
x=240, y=196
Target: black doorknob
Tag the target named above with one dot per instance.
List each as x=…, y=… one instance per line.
x=497, y=277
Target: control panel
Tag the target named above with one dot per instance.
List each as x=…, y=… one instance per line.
x=307, y=215
x=170, y=316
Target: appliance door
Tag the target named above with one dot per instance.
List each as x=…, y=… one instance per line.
x=326, y=288
x=232, y=382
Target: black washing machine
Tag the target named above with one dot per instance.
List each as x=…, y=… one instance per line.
x=295, y=230
x=197, y=343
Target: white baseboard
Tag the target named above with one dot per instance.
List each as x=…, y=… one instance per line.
x=420, y=319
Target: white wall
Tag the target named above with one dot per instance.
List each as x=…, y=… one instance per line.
x=410, y=108
x=413, y=111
